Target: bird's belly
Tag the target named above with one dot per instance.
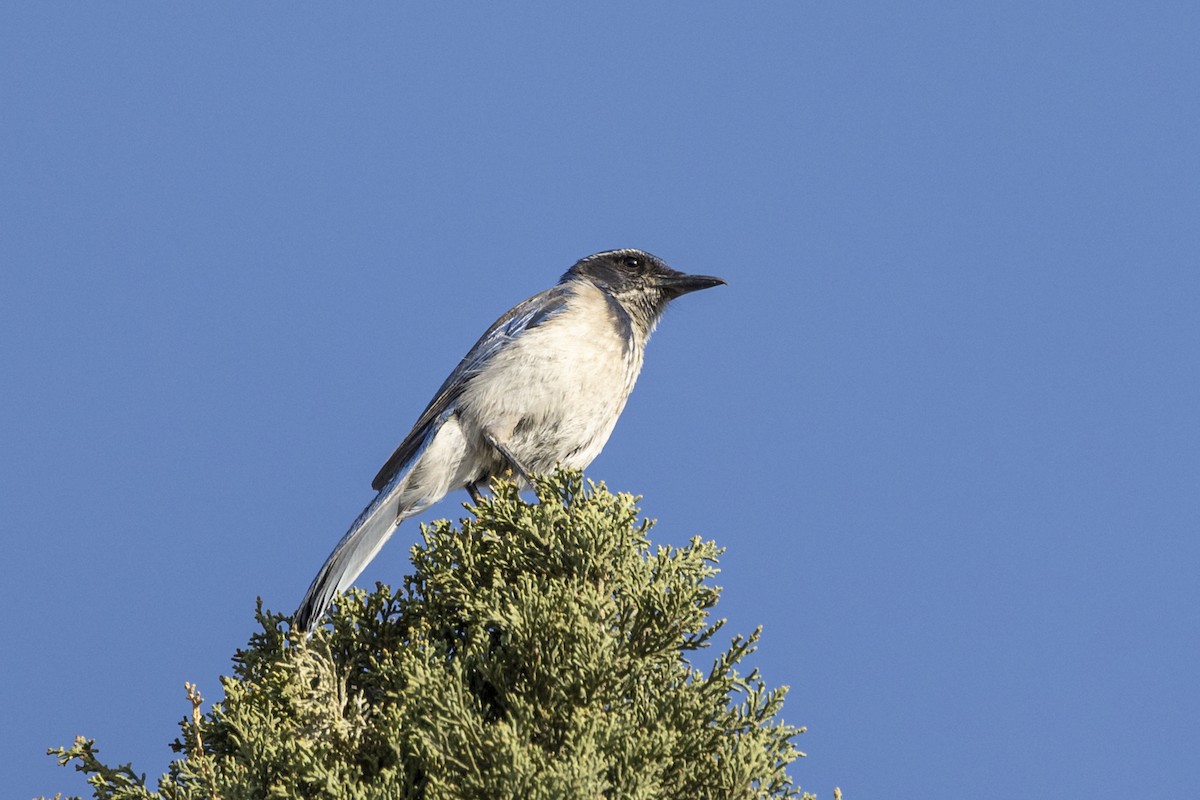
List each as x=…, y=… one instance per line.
x=554, y=405
x=569, y=430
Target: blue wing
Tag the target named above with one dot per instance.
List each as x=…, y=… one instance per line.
x=524, y=316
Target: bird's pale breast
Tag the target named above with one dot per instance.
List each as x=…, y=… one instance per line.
x=555, y=394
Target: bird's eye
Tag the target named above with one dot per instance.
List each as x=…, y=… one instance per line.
x=632, y=262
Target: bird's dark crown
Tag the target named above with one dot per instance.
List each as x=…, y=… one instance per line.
x=622, y=270
x=639, y=283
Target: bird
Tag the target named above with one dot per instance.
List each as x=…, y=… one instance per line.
x=543, y=387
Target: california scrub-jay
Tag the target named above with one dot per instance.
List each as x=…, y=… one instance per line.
x=543, y=386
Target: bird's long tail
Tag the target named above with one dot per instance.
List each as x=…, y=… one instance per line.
x=374, y=526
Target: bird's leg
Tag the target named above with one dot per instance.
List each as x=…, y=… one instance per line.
x=473, y=490
x=513, y=463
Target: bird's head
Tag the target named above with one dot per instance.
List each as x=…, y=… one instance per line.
x=642, y=283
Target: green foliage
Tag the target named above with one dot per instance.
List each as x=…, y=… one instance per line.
x=539, y=651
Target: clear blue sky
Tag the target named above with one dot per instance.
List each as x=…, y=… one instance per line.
x=944, y=416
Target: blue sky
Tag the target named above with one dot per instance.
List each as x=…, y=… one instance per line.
x=943, y=417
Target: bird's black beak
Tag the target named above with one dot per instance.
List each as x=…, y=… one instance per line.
x=680, y=284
